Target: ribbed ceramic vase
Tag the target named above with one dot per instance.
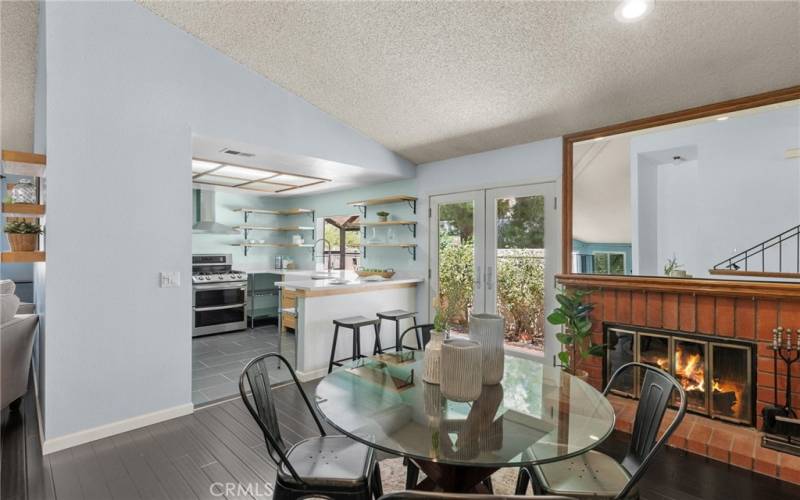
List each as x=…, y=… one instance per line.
x=489, y=331
x=461, y=374
x=433, y=358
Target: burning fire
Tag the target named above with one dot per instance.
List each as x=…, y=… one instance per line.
x=690, y=370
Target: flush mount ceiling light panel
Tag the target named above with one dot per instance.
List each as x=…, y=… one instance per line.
x=630, y=11
x=250, y=178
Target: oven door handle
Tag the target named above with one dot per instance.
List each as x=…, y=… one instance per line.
x=221, y=286
x=217, y=308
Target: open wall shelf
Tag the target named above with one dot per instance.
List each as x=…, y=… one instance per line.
x=245, y=246
x=246, y=228
x=386, y=200
x=22, y=257
x=23, y=209
x=411, y=247
x=25, y=164
x=410, y=224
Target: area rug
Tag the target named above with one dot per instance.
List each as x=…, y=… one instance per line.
x=393, y=477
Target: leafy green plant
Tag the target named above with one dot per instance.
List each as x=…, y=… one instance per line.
x=671, y=265
x=382, y=214
x=456, y=276
x=23, y=227
x=520, y=293
x=572, y=314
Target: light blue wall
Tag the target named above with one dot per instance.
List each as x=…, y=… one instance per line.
x=335, y=203
x=584, y=248
x=226, y=203
x=324, y=205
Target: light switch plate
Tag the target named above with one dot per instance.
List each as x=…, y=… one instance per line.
x=170, y=279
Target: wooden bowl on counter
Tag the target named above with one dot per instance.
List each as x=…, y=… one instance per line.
x=388, y=273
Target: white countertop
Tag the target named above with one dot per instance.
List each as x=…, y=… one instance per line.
x=353, y=281
x=262, y=269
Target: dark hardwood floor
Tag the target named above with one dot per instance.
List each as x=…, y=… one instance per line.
x=181, y=458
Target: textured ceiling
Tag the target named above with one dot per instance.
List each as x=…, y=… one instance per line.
x=432, y=80
x=18, y=29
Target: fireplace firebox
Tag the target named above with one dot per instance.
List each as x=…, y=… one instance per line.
x=717, y=375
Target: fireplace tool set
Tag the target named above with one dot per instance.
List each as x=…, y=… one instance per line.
x=781, y=425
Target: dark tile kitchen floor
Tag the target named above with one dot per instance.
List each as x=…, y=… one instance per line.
x=217, y=360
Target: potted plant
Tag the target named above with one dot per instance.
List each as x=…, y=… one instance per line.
x=673, y=268
x=572, y=314
x=382, y=216
x=433, y=350
x=23, y=236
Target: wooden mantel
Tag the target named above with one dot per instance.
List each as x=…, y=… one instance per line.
x=755, y=289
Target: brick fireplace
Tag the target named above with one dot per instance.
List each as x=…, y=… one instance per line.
x=660, y=323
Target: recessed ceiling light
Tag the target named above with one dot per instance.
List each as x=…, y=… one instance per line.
x=629, y=11
x=722, y=118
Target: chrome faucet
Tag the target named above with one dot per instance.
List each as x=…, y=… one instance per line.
x=324, y=241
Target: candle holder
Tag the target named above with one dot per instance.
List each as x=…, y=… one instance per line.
x=789, y=354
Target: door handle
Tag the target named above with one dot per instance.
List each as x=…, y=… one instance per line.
x=478, y=277
x=218, y=308
x=489, y=282
x=222, y=286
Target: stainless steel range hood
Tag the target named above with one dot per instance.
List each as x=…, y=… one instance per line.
x=208, y=216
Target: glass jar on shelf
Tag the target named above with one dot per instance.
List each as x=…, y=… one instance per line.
x=24, y=191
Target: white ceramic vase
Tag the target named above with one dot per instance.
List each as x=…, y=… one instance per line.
x=489, y=331
x=433, y=357
x=461, y=374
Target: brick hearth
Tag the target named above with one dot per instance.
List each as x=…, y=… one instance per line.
x=751, y=319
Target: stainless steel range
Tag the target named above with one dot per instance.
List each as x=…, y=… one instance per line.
x=219, y=295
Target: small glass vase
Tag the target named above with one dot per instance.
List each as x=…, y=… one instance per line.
x=23, y=191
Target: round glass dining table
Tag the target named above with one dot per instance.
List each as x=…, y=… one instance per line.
x=537, y=414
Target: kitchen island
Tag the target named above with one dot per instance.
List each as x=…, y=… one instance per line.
x=319, y=301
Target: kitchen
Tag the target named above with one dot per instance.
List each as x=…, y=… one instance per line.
x=264, y=280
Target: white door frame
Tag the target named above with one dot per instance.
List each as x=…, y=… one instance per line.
x=552, y=242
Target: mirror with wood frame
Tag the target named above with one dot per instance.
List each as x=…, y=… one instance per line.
x=712, y=197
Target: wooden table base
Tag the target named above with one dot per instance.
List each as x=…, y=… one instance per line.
x=453, y=478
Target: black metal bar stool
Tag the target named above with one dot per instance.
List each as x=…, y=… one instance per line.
x=355, y=323
x=396, y=315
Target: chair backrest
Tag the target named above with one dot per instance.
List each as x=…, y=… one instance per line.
x=425, y=333
x=262, y=407
x=655, y=396
x=415, y=495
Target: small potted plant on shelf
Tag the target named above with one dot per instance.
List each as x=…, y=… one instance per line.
x=382, y=216
x=572, y=314
x=23, y=236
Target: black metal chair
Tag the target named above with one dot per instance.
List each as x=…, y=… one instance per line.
x=422, y=334
x=334, y=467
x=600, y=476
x=419, y=495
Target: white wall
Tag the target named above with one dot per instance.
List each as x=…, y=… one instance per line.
x=125, y=93
x=523, y=164
x=739, y=191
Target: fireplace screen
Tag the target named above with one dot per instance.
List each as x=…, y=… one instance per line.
x=730, y=368
x=716, y=376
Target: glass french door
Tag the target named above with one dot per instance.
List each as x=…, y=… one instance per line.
x=495, y=252
x=456, y=254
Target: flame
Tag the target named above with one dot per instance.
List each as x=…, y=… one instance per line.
x=690, y=370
